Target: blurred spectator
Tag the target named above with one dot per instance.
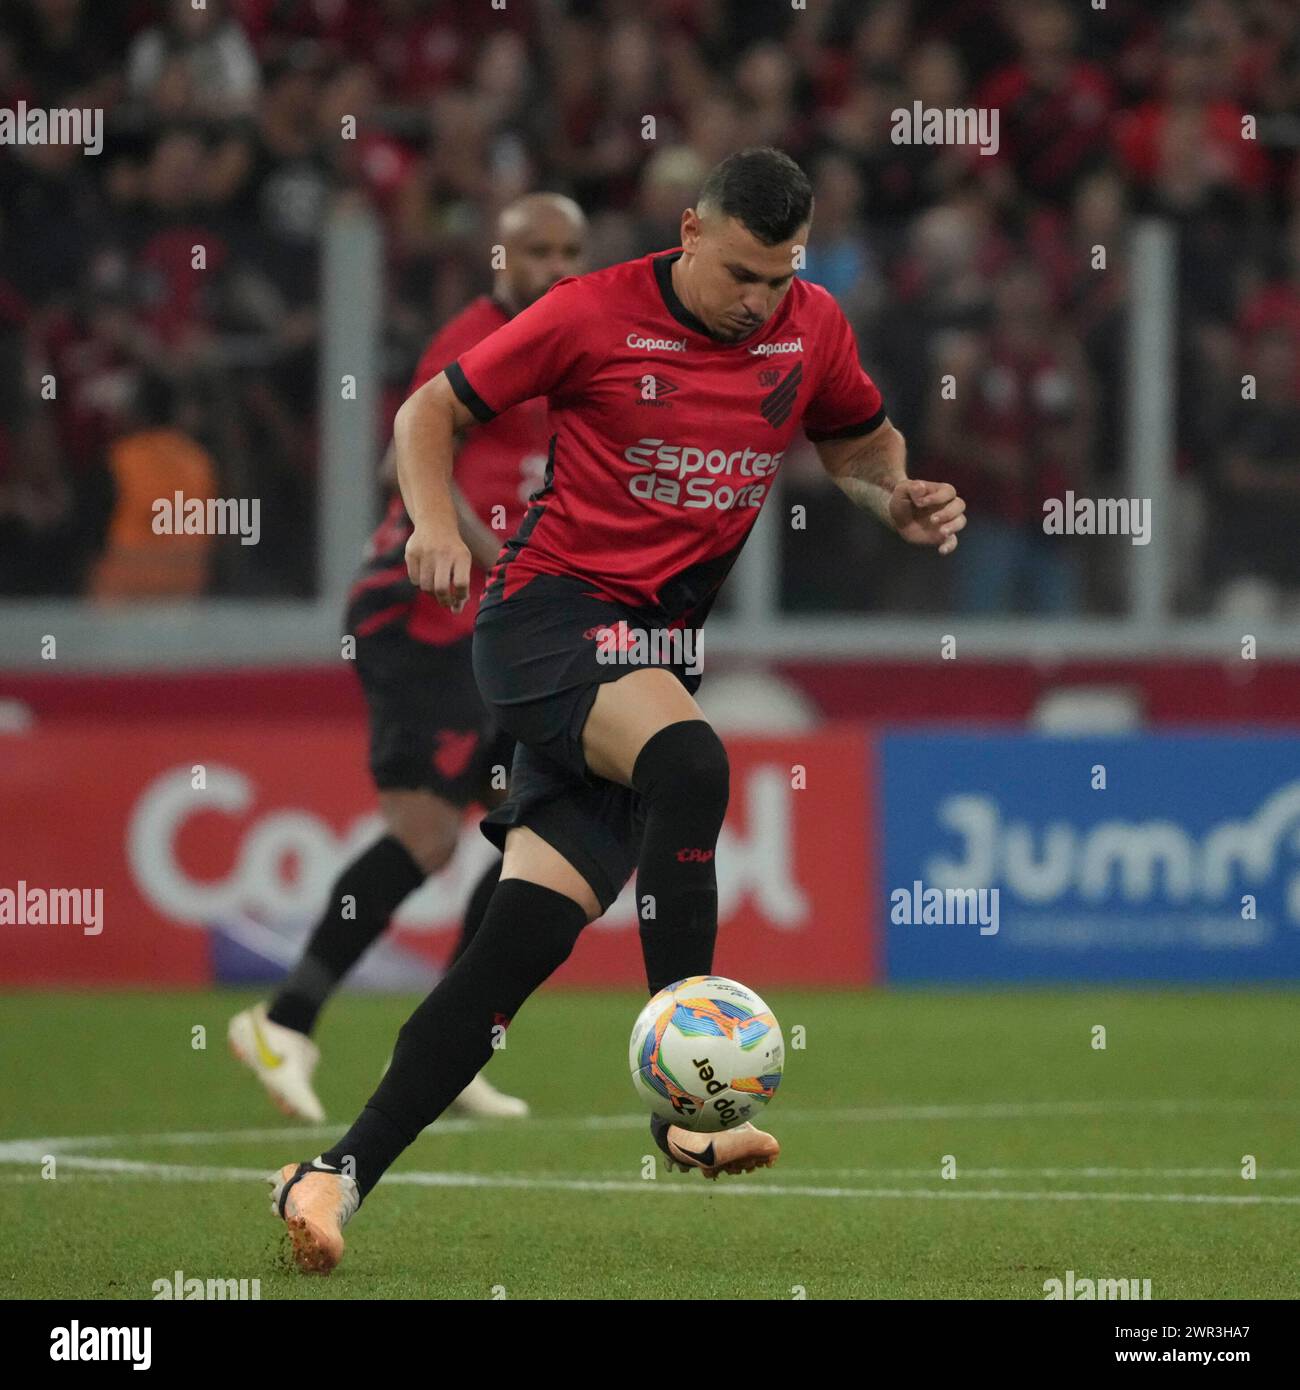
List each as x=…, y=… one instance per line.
x=49, y=202
x=1275, y=304
x=196, y=62
x=1054, y=105
x=1184, y=147
x=1014, y=435
x=940, y=287
x=767, y=82
x=280, y=182
x=1092, y=293
x=1257, y=497
x=899, y=180
x=62, y=52
x=178, y=255
x=601, y=137
x=839, y=258
x=151, y=463
x=190, y=251
x=37, y=526
x=669, y=184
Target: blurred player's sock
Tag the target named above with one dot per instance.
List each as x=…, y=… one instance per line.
x=365, y=895
x=477, y=907
x=480, y=1098
x=682, y=774
x=526, y=934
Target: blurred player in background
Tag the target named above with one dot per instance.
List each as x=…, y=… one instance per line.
x=433, y=745
x=676, y=384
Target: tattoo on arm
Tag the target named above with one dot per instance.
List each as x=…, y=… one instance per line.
x=871, y=477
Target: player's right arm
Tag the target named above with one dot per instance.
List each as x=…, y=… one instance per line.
x=539, y=352
x=484, y=544
x=424, y=438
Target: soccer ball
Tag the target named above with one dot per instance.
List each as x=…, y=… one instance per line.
x=706, y=1053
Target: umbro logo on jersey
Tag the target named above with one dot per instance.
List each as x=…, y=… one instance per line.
x=656, y=344
x=651, y=390
x=769, y=349
x=616, y=637
x=778, y=403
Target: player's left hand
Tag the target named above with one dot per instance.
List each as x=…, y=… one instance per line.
x=927, y=513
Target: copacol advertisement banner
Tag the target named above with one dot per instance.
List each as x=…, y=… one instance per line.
x=1154, y=857
x=192, y=854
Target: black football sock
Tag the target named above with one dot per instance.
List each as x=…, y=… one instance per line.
x=363, y=898
x=682, y=775
x=527, y=934
x=476, y=908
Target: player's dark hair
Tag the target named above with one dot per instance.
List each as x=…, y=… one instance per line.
x=764, y=190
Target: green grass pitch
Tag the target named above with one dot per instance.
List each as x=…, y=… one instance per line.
x=1117, y=1163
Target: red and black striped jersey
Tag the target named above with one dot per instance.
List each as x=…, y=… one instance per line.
x=665, y=439
x=497, y=468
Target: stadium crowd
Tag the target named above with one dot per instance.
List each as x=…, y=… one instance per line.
x=225, y=128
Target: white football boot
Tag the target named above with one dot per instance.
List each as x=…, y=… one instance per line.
x=482, y=1100
x=281, y=1058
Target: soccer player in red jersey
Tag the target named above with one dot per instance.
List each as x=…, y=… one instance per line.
x=676, y=383
x=433, y=745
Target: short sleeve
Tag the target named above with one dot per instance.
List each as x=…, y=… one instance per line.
x=846, y=401
x=446, y=346
x=538, y=353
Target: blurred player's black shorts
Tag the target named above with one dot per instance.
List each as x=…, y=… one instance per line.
x=536, y=661
x=429, y=729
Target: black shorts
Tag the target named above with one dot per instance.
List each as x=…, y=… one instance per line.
x=537, y=666
x=429, y=729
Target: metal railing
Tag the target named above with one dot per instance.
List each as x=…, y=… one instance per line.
x=218, y=632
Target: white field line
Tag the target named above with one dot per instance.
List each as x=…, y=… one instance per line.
x=175, y=1172
x=933, y=1172
x=22, y=1150
x=963, y=1174
x=112, y=1167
